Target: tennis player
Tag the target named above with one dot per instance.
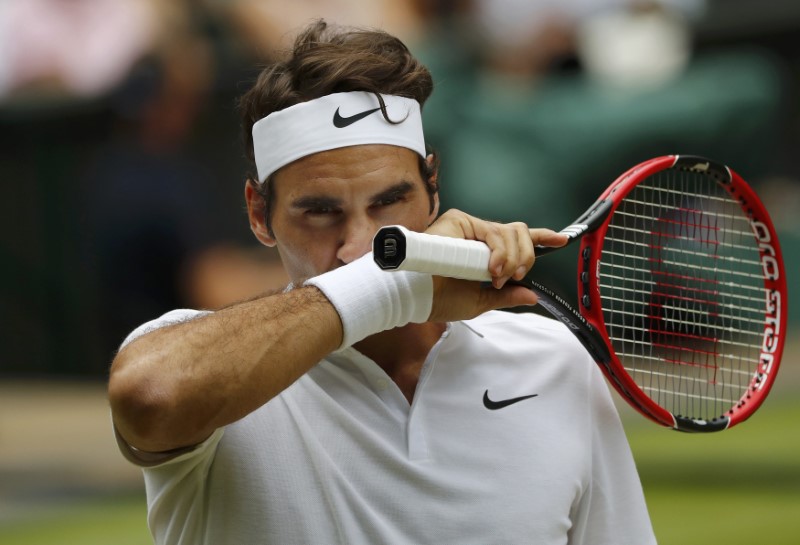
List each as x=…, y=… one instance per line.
x=359, y=406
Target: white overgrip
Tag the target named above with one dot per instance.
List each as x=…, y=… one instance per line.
x=446, y=256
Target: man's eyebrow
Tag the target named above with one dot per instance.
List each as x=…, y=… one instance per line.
x=316, y=201
x=323, y=201
x=397, y=190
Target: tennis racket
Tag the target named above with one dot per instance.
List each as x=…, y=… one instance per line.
x=681, y=287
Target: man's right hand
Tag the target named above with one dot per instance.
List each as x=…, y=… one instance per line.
x=512, y=256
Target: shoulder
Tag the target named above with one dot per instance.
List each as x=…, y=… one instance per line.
x=505, y=317
x=519, y=324
x=527, y=333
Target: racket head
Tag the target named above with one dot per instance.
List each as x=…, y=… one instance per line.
x=684, y=280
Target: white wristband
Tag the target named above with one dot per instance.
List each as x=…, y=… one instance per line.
x=370, y=300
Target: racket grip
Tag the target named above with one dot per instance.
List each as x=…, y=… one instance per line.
x=396, y=248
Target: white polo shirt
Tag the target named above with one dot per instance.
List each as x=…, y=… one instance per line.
x=341, y=456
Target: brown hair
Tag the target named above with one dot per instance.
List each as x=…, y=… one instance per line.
x=326, y=59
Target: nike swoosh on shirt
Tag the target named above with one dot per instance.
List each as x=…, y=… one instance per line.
x=341, y=122
x=494, y=405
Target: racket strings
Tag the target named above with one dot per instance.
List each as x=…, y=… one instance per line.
x=682, y=290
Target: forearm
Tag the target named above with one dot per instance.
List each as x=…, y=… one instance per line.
x=174, y=386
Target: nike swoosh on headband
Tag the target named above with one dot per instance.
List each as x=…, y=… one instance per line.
x=494, y=405
x=341, y=122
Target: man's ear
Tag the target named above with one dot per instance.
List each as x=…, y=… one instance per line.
x=430, y=159
x=435, y=212
x=256, y=211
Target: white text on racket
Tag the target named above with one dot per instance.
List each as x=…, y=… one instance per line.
x=773, y=302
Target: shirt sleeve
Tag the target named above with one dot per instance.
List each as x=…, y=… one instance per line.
x=177, y=493
x=170, y=318
x=612, y=509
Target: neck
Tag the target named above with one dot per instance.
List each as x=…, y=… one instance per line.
x=402, y=351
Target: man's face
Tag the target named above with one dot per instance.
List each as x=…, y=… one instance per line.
x=328, y=206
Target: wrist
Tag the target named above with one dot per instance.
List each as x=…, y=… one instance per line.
x=369, y=300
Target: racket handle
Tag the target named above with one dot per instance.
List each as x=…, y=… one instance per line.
x=396, y=248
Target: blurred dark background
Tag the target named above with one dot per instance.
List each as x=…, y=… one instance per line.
x=122, y=169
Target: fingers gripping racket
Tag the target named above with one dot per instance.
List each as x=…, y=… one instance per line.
x=681, y=286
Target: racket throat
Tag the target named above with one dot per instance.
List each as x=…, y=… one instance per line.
x=578, y=325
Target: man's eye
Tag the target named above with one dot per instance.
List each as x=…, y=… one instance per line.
x=388, y=201
x=320, y=211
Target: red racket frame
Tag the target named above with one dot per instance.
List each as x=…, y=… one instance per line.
x=774, y=284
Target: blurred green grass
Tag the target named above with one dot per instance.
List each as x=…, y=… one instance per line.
x=737, y=487
x=117, y=520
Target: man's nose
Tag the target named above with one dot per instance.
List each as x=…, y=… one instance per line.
x=356, y=239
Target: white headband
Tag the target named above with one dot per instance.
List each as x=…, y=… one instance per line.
x=334, y=121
